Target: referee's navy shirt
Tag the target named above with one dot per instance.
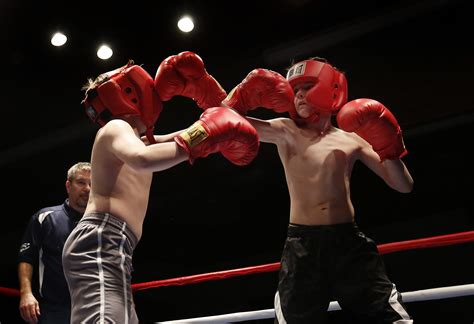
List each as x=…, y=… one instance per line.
x=42, y=246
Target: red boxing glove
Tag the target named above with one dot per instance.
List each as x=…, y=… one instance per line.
x=261, y=88
x=222, y=130
x=185, y=75
x=376, y=124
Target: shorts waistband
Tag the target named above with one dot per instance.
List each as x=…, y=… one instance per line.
x=335, y=228
x=109, y=219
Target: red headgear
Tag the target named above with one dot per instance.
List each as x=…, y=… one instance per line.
x=128, y=90
x=329, y=92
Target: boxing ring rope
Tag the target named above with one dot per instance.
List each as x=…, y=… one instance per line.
x=435, y=241
x=408, y=297
x=9, y=292
x=428, y=294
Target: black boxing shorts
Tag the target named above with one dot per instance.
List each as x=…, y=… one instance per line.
x=334, y=262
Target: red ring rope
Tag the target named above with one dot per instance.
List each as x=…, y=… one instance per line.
x=435, y=241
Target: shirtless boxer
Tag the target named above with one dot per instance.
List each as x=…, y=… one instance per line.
x=97, y=256
x=326, y=257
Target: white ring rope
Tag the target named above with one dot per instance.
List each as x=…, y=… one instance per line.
x=408, y=297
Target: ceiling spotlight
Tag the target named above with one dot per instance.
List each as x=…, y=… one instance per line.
x=58, y=39
x=185, y=24
x=104, y=52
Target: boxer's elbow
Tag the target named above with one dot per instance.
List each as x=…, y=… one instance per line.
x=403, y=186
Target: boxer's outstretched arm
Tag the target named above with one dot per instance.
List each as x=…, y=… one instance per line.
x=162, y=138
x=270, y=131
x=118, y=138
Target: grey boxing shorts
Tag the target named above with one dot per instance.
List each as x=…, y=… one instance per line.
x=97, y=262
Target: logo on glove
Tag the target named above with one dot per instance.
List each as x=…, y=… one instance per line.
x=195, y=134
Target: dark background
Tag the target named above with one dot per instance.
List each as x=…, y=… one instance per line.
x=416, y=57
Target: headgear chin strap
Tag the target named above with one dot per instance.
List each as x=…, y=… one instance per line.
x=128, y=90
x=329, y=92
